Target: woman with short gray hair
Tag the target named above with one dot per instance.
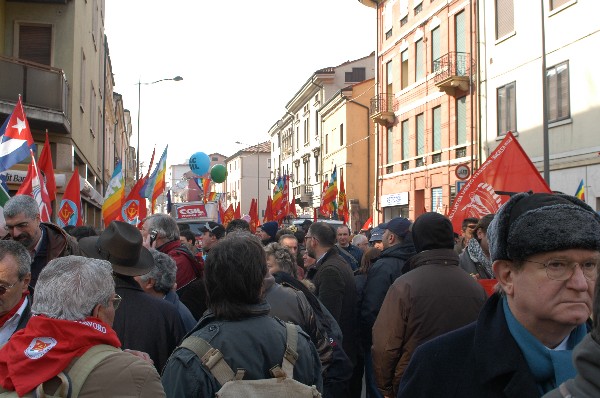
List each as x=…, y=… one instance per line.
x=279, y=258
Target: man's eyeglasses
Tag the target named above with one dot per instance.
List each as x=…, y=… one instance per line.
x=562, y=270
x=4, y=288
x=117, y=301
x=20, y=226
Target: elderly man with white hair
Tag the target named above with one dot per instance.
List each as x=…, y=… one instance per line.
x=74, y=308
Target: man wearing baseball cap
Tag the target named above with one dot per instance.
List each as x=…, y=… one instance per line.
x=398, y=248
x=211, y=233
x=545, y=250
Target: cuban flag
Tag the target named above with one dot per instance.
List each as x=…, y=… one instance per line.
x=15, y=138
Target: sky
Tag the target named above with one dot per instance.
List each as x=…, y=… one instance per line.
x=241, y=62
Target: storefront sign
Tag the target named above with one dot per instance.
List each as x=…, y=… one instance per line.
x=394, y=199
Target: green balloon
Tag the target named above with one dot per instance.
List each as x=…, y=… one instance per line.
x=218, y=173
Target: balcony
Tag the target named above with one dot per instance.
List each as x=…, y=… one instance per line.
x=44, y=90
x=452, y=71
x=303, y=194
x=382, y=109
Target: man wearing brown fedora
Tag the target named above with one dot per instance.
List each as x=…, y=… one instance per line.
x=142, y=322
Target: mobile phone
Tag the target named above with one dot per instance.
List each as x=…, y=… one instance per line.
x=153, y=235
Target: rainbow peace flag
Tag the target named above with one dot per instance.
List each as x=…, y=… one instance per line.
x=156, y=181
x=113, y=200
x=580, y=193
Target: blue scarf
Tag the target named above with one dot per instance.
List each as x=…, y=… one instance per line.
x=549, y=367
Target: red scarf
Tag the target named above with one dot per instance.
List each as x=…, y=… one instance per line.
x=46, y=347
x=13, y=311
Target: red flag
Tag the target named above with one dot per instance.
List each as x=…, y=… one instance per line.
x=228, y=215
x=269, y=210
x=46, y=166
x=324, y=208
x=368, y=224
x=293, y=208
x=343, y=212
x=254, y=222
x=36, y=188
x=134, y=209
x=70, y=211
x=237, y=214
x=507, y=169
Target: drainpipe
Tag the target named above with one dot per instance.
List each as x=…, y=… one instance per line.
x=471, y=78
x=377, y=92
x=104, y=114
x=479, y=71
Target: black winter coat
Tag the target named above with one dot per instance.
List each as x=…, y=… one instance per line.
x=479, y=360
x=146, y=323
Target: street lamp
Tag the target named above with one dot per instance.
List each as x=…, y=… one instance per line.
x=137, y=155
x=257, y=175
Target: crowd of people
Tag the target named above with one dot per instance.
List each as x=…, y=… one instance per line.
x=401, y=310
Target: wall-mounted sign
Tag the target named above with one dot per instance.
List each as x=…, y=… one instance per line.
x=394, y=199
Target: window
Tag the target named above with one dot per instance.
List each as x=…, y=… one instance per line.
x=92, y=110
x=437, y=200
x=316, y=168
x=420, y=141
x=341, y=135
x=460, y=34
x=405, y=140
x=388, y=34
x=357, y=75
x=404, y=21
x=326, y=143
x=214, y=159
x=436, y=47
x=404, y=69
x=306, y=172
x=269, y=163
x=557, y=80
x=306, y=131
x=95, y=23
x=554, y=4
x=418, y=8
x=507, y=108
x=436, y=116
x=389, y=77
x=390, y=144
x=461, y=120
x=419, y=64
x=387, y=19
x=297, y=138
x=82, y=83
x=35, y=43
x=505, y=18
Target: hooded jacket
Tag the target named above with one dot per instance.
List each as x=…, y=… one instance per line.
x=380, y=277
x=435, y=297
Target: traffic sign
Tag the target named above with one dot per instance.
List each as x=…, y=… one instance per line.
x=462, y=172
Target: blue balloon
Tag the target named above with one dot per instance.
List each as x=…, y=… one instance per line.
x=199, y=163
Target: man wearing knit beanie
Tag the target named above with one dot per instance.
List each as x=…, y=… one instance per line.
x=545, y=250
x=267, y=231
x=435, y=297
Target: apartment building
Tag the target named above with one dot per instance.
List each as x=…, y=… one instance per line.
x=425, y=104
x=526, y=50
x=297, y=138
x=248, y=177
x=54, y=53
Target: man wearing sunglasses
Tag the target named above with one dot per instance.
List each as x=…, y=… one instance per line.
x=44, y=241
x=15, y=275
x=545, y=250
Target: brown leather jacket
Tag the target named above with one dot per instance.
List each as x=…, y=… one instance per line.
x=435, y=297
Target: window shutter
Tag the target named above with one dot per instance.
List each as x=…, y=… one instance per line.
x=461, y=120
x=437, y=128
x=405, y=140
x=505, y=19
x=460, y=33
x=420, y=134
x=35, y=43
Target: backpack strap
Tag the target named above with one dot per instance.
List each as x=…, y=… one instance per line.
x=82, y=367
x=291, y=354
x=212, y=358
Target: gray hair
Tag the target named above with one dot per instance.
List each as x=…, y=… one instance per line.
x=70, y=287
x=19, y=253
x=283, y=257
x=359, y=239
x=164, y=224
x=163, y=273
x=21, y=204
x=287, y=236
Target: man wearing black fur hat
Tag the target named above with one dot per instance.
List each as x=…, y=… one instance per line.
x=545, y=250
x=435, y=297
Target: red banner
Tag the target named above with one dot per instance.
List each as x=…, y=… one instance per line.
x=508, y=169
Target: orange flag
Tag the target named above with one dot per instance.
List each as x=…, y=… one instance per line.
x=269, y=210
x=254, y=222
